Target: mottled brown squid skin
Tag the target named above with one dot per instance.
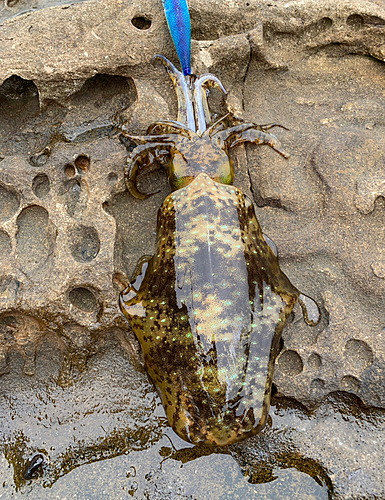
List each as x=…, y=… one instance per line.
x=209, y=313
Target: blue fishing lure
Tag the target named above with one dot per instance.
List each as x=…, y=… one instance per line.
x=178, y=20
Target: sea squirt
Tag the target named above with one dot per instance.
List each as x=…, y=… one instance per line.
x=209, y=307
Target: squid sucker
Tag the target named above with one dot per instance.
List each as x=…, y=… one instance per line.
x=209, y=307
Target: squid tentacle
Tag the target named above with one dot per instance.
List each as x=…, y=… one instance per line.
x=200, y=98
x=181, y=85
x=141, y=158
x=249, y=132
x=144, y=139
x=269, y=126
x=214, y=126
x=168, y=127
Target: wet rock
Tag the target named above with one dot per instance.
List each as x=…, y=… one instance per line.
x=337, y=425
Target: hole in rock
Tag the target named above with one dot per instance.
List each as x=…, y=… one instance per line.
x=5, y=246
x=41, y=185
x=85, y=243
x=9, y=287
x=69, y=170
x=100, y=96
x=83, y=163
x=19, y=101
x=9, y=320
x=15, y=88
x=40, y=159
x=350, y=384
x=9, y=202
x=112, y=177
x=72, y=191
x=324, y=23
x=355, y=21
x=290, y=363
x=317, y=388
x=35, y=240
x=141, y=22
x=314, y=361
x=374, y=21
x=359, y=354
x=83, y=299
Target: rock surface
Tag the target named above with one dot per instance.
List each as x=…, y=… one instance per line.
x=69, y=231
